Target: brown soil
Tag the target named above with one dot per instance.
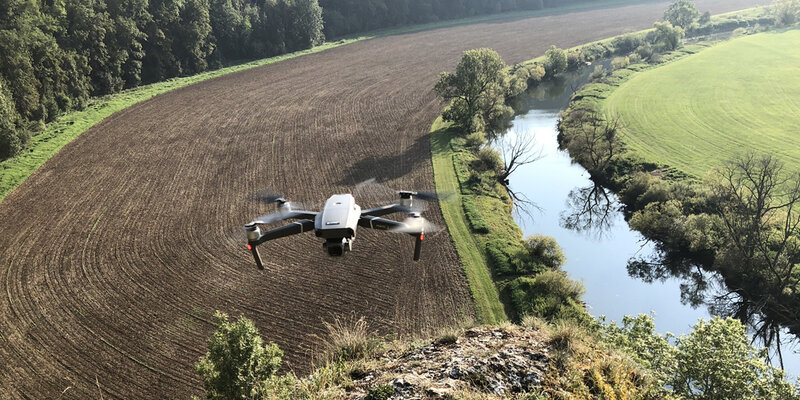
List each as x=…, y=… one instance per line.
x=115, y=254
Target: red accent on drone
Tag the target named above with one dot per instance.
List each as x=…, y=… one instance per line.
x=249, y=247
x=421, y=236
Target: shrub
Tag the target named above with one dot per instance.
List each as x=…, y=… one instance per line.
x=475, y=140
x=575, y=59
x=498, y=253
x=550, y=295
x=644, y=51
x=786, y=12
x=643, y=189
x=474, y=217
x=536, y=73
x=555, y=61
x=627, y=43
x=598, y=72
x=545, y=250
x=666, y=37
x=381, y=392
x=620, y=62
x=237, y=363
x=488, y=160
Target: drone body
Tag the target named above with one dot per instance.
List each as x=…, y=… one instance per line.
x=338, y=221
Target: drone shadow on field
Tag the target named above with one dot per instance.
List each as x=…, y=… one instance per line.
x=388, y=168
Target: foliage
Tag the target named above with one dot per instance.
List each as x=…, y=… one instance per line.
x=237, y=363
x=550, y=295
x=545, y=250
x=666, y=37
x=12, y=136
x=555, y=61
x=380, y=392
x=477, y=91
x=682, y=13
x=716, y=361
x=786, y=12
x=53, y=56
x=476, y=221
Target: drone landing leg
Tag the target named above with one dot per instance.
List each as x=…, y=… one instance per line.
x=418, y=246
x=257, y=257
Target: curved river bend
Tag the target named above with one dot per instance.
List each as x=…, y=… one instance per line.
x=587, y=222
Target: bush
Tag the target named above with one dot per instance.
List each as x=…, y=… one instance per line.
x=626, y=44
x=555, y=61
x=476, y=140
x=237, y=364
x=488, y=160
x=575, y=60
x=545, y=250
x=598, y=72
x=620, y=62
x=550, y=295
x=786, y=12
x=381, y=392
x=474, y=217
x=536, y=73
x=643, y=189
x=666, y=37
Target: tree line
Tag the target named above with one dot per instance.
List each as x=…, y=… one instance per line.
x=344, y=17
x=55, y=54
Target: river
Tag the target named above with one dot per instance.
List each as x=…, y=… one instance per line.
x=587, y=222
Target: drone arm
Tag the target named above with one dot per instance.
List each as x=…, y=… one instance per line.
x=382, y=224
x=288, y=230
x=387, y=224
x=384, y=210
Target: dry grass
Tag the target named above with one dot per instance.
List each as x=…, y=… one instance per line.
x=350, y=339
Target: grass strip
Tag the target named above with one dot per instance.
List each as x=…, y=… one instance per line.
x=488, y=308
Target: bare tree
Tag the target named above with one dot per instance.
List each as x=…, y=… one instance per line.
x=515, y=152
x=756, y=200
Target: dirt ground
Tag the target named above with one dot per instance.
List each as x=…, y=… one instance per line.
x=115, y=254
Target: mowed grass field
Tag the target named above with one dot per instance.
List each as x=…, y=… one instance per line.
x=697, y=112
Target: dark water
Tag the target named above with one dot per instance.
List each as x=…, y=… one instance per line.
x=587, y=222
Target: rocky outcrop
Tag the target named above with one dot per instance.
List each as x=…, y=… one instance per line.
x=493, y=360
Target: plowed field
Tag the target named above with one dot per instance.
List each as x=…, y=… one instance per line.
x=115, y=254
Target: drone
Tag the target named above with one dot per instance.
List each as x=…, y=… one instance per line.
x=338, y=221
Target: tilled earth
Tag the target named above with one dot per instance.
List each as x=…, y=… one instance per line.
x=115, y=254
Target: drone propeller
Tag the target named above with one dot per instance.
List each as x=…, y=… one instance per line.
x=416, y=225
x=276, y=216
x=270, y=197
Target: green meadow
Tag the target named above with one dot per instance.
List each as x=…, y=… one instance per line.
x=701, y=110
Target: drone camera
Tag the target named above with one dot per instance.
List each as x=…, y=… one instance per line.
x=337, y=247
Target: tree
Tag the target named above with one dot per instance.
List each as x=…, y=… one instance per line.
x=756, y=199
x=238, y=364
x=555, y=61
x=12, y=136
x=682, y=13
x=716, y=362
x=786, y=12
x=593, y=140
x=666, y=37
x=477, y=90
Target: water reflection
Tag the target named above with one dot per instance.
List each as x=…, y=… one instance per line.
x=590, y=210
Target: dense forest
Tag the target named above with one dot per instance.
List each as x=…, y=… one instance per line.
x=56, y=54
